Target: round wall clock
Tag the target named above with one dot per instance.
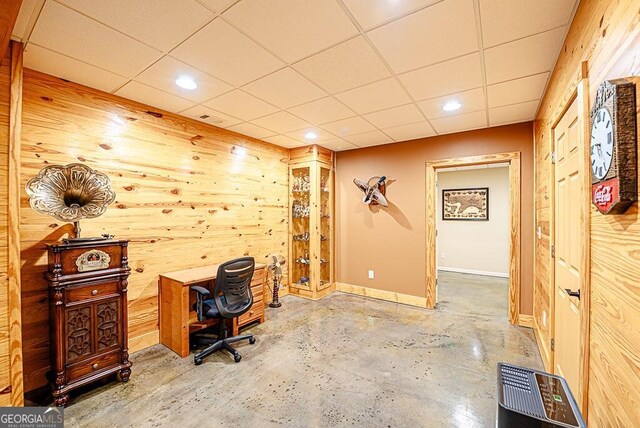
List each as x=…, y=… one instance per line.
x=614, y=147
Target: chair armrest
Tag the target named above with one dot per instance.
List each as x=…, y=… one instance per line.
x=201, y=294
x=201, y=290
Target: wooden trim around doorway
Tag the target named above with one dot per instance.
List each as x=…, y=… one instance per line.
x=513, y=158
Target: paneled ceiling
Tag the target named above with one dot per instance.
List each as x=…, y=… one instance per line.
x=355, y=73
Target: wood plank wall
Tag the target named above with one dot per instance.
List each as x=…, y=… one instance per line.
x=188, y=194
x=605, y=34
x=5, y=364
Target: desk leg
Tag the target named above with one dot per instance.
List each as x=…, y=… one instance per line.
x=184, y=304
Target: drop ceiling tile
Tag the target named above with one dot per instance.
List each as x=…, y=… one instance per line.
x=241, y=105
x=321, y=135
x=472, y=100
x=216, y=5
x=352, y=126
x=281, y=122
x=285, y=88
x=292, y=29
x=410, y=132
x=395, y=116
x=22, y=21
x=214, y=118
x=373, y=138
x=522, y=112
x=163, y=74
x=370, y=13
x=438, y=33
x=251, y=130
x=284, y=141
x=524, y=57
x=153, y=97
x=462, y=122
x=322, y=111
x=70, y=33
x=224, y=52
x=46, y=61
x=337, y=145
x=345, y=66
x=517, y=91
x=449, y=77
x=162, y=24
x=507, y=20
x=375, y=96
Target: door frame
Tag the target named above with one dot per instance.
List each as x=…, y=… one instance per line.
x=579, y=94
x=513, y=158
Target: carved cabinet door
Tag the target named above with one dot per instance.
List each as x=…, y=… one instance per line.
x=108, y=324
x=79, y=332
x=93, y=328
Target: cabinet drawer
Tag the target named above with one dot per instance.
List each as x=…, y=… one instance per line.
x=93, y=365
x=255, y=312
x=92, y=291
x=258, y=292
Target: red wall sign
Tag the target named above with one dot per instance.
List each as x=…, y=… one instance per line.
x=605, y=194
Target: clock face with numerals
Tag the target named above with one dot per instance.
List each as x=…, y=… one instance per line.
x=602, y=143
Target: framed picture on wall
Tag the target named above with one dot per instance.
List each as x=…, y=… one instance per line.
x=466, y=204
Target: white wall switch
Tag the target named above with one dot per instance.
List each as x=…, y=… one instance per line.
x=442, y=255
x=544, y=318
x=371, y=274
x=539, y=232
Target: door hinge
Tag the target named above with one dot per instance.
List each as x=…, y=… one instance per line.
x=553, y=251
x=553, y=344
x=553, y=157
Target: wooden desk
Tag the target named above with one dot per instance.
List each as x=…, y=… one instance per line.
x=177, y=317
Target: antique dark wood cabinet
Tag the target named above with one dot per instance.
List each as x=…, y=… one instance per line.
x=88, y=313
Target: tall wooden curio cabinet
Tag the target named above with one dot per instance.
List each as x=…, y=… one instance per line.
x=311, y=222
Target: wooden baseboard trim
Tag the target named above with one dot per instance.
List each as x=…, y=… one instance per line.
x=474, y=272
x=543, y=349
x=525, y=320
x=389, y=296
x=146, y=340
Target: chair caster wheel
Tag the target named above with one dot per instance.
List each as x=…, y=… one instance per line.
x=237, y=358
x=197, y=361
x=252, y=340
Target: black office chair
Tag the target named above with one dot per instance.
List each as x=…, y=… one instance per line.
x=232, y=297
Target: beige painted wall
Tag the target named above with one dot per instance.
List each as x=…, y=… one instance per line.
x=477, y=246
x=391, y=241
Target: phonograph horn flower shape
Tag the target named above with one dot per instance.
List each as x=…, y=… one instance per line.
x=70, y=193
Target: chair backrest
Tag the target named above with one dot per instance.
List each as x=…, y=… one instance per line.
x=234, y=283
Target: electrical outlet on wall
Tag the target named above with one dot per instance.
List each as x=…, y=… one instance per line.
x=371, y=275
x=442, y=255
x=539, y=232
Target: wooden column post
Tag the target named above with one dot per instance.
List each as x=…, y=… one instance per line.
x=15, y=316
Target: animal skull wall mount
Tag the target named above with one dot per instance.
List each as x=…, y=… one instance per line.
x=374, y=190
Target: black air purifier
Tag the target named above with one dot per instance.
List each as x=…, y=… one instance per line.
x=530, y=398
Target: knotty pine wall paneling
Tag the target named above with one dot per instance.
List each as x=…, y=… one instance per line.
x=605, y=35
x=188, y=194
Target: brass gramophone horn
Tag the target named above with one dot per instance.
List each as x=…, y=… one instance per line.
x=70, y=193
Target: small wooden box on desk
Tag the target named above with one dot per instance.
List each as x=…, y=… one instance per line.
x=88, y=313
x=177, y=317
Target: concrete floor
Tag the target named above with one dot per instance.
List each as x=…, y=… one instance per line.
x=342, y=361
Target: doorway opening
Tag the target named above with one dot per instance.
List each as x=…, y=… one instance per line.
x=472, y=239
x=513, y=161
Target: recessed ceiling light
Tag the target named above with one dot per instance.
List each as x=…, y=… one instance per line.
x=452, y=106
x=310, y=135
x=186, y=82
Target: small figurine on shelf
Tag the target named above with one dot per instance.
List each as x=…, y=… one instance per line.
x=300, y=210
x=301, y=237
x=304, y=280
x=323, y=183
